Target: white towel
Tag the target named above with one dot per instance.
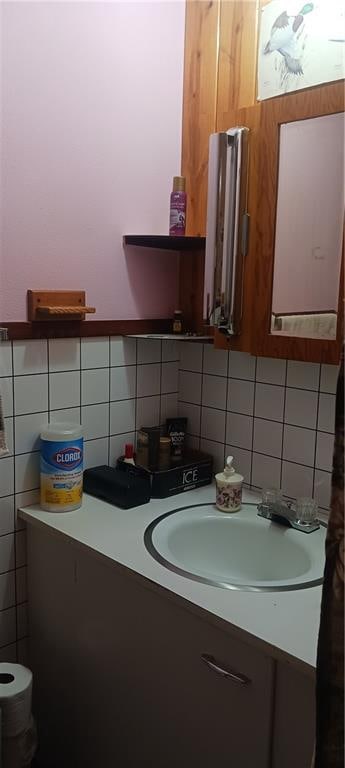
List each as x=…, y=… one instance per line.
x=3, y=444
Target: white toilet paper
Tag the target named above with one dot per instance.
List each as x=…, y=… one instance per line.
x=15, y=698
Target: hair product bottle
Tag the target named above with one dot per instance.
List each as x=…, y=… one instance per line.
x=178, y=206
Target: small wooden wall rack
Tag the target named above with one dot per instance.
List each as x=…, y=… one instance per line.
x=57, y=305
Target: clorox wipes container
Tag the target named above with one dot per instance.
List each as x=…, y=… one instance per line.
x=61, y=467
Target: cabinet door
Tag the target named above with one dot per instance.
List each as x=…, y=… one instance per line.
x=294, y=718
x=162, y=706
x=288, y=234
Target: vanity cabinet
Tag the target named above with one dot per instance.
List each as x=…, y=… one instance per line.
x=299, y=327
x=121, y=675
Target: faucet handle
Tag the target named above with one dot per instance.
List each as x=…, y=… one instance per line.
x=306, y=510
x=272, y=496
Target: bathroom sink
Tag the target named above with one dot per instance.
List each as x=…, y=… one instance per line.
x=236, y=551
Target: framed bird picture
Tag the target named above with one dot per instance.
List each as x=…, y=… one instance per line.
x=300, y=45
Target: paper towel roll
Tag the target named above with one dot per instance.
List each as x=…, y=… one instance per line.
x=15, y=698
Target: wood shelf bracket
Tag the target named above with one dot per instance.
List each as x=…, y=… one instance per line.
x=57, y=306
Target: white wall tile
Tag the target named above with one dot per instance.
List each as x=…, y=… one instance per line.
x=213, y=424
x=22, y=620
x=123, y=351
x=241, y=365
x=148, y=380
x=24, y=499
x=21, y=584
x=6, y=359
x=169, y=378
x=216, y=450
x=95, y=386
x=329, y=378
x=324, y=451
x=96, y=452
x=117, y=446
x=322, y=488
x=301, y=407
x=67, y=415
x=303, y=375
x=239, y=430
x=170, y=350
x=270, y=370
x=214, y=391
x=23, y=654
x=268, y=436
x=148, y=411
x=191, y=356
x=8, y=653
x=21, y=552
x=9, y=434
x=30, y=394
x=193, y=414
x=169, y=406
x=269, y=402
x=7, y=590
x=149, y=350
x=6, y=515
x=64, y=355
x=7, y=553
x=28, y=430
x=299, y=445
x=95, y=353
x=95, y=420
x=326, y=419
x=123, y=383
x=6, y=392
x=265, y=471
x=241, y=396
x=242, y=461
x=30, y=357
x=297, y=480
x=27, y=472
x=190, y=387
x=122, y=417
x=7, y=627
x=6, y=476
x=64, y=390
x=193, y=443
x=215, y=360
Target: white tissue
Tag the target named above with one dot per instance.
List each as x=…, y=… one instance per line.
x=15, y=698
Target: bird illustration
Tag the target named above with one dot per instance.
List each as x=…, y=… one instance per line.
x=283, y=38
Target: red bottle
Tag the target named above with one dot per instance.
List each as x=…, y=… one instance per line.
x=178, y=207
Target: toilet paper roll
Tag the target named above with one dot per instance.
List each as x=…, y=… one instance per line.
x=15, y=698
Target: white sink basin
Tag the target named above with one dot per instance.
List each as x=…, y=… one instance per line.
x=236, y=551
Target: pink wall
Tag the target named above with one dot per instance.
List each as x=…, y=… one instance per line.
x=91, y=137
x=310, y=215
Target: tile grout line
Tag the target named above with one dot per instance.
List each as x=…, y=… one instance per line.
x=316, y=432
x=253, y=423
x=15, y=507
x=283, y=430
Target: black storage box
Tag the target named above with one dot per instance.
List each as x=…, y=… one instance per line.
x=195, y=470
x=125, y=490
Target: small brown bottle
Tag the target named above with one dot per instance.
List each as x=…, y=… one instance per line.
x=177, y=322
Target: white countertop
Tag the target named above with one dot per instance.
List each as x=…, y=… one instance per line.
x=284, y=624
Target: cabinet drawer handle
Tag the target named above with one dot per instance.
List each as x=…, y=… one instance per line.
x=211, y=663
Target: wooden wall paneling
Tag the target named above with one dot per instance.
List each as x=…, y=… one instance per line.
x=191, y=290
x=199, y=105
x=312, y=102
x=237, y=58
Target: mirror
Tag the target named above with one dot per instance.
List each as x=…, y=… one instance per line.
x=309, y=228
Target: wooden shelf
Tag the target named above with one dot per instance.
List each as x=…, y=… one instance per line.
x=166, y=242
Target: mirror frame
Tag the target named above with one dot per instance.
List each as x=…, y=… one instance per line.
x=313, y=102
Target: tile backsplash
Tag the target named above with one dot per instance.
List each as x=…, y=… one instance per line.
x=275, y=417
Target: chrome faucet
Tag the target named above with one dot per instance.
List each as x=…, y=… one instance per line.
x=301, y=516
